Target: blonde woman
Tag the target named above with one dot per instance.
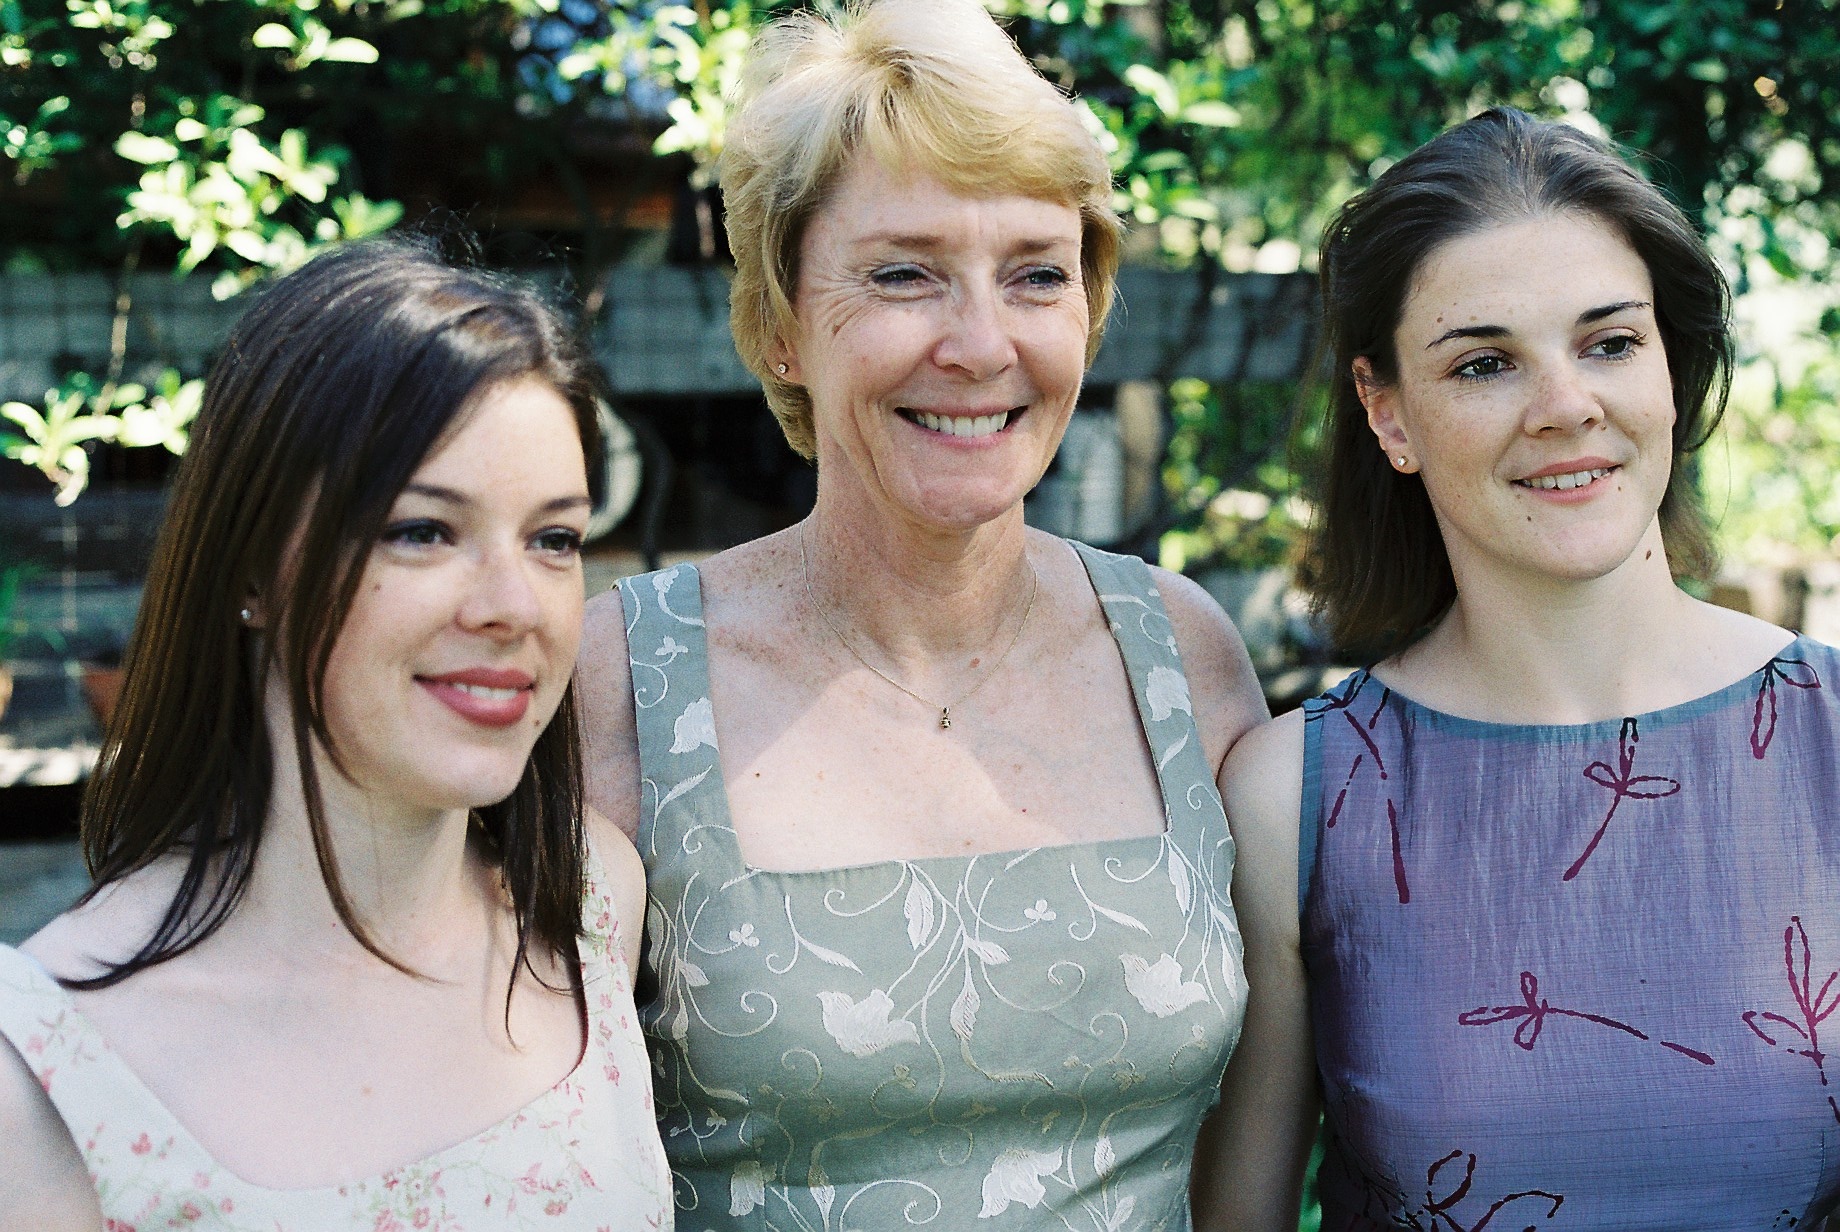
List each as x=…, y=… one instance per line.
x=941, y=926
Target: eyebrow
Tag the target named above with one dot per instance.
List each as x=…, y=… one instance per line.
x=1589, y=316
x=448, y=496
x=928, y=243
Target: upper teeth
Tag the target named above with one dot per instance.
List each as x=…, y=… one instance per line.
x=1577, y=479
x=486, y=691
x=963, y=425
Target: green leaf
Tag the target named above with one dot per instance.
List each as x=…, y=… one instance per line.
x=1154, y=86
x=1212, y=114
x=349, y=51
x=274, y=37
x=144, y=148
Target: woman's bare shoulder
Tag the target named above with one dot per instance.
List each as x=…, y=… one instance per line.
x=1262, y=786
x=111, y=925
x=1264, y=772
x=603, y=693
x=1222, y=685
x=625, y=872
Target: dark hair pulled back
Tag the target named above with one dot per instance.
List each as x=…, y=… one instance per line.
x=1377, y=562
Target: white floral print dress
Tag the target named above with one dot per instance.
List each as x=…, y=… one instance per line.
x=1025, y=1040
x=582, y=1155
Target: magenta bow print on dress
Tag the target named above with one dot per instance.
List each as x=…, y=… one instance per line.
x=1625, y=783
x=1343, y=704
x=1531, y=1014
x=1793, y=672
x=1812, y=1008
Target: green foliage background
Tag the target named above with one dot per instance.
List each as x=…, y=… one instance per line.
x=230, y=136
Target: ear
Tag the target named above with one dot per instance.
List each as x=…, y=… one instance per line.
x=781, y=354
x=253, y=615
x=1380, y=400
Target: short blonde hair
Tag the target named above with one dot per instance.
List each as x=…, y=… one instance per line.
x=934, y=86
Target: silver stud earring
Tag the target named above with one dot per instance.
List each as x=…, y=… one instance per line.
x=1402, y=461
x=247, y=615
x=782, y=369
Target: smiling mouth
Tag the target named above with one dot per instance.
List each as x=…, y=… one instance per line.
x=1565, y=483
x=488, y=697
x=962, y=425
x=486, y=691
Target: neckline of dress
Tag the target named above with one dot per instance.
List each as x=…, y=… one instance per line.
x=725, y=822
x=183, y=1135
x=1679, y=711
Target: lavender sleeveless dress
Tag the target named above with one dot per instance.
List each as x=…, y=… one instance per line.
x=1578, y=976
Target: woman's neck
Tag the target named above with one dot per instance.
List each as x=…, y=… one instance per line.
x=409, y=881
x=1572, y=651
x=917, y=596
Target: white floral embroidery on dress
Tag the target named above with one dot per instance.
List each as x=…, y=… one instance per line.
x=1159, y=987
x=905, y=1043
x=747, y=1188
x=861, y=1028
x=1167, y=692
x=694, y=728
x=1015, y=1176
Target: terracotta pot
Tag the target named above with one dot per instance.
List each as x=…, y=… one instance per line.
x=102, y=686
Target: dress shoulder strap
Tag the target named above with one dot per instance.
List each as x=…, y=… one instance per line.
x=99, y=1098
x=606, y=983
x=668, y=653
x=1147, y=642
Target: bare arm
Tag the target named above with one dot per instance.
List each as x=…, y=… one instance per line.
x=44, y=1185
x=603, y=684
x=1223, y=688
x=1250, y=1160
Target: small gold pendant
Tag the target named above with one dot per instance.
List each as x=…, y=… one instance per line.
x=945, y=717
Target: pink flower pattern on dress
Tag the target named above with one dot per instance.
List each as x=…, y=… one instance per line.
x=584, y=1154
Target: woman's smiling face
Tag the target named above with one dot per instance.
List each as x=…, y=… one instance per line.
x=942, y=338
x=1533, y=397
x=462, y=635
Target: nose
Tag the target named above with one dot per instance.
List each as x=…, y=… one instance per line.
x=977, y=339
x=1563, y=401
x=501, y=600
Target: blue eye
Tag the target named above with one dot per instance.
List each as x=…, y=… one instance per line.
x=897, y=276
x=1047, y=276
x=419, y=533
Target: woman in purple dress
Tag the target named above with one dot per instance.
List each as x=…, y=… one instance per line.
x=1551, y=888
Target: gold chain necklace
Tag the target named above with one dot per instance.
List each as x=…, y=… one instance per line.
x=945, y=710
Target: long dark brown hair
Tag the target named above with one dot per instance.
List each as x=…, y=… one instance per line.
x=326, y=398
x=1377, y=563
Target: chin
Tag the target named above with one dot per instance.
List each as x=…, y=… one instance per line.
x=481, y=781
x=962, y=509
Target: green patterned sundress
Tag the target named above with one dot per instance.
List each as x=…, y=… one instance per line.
x=1020, y=1040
